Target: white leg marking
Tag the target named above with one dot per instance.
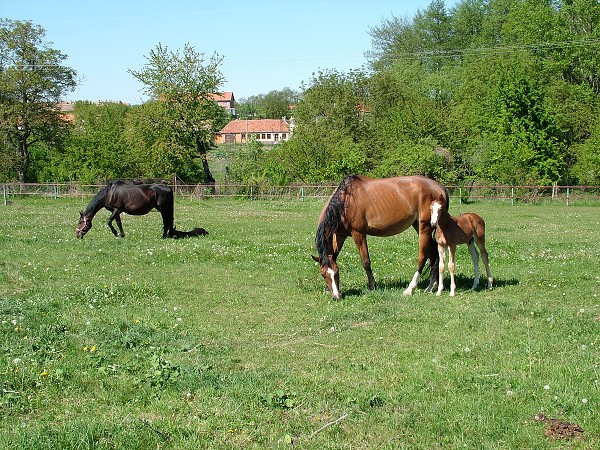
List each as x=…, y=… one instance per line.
x=413, y=284
x=451, y=267
x=441, y=268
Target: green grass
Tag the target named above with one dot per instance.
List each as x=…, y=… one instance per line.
x=230, y=341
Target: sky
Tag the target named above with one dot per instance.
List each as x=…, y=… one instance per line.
x=266, y=45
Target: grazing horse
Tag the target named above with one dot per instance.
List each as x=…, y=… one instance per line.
x=135, y=199
x=362, y=206
x=468, y=228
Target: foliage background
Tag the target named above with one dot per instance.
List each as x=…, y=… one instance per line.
x=487, y=91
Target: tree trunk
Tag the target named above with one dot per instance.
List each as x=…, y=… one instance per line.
x=24, y=163
x=202, y=150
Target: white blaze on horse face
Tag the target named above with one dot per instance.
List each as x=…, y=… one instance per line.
x=435, y=212
x=335, y=293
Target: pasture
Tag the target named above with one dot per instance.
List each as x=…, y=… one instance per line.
x=229, y=340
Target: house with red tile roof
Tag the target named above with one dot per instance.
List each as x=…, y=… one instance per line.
x=267, y=131
x=225, y=101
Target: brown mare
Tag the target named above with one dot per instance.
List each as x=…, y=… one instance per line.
x=135, y=199
x=362, y=206
x=468, y=228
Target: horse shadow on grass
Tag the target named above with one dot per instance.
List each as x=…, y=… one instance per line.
x=463, y=283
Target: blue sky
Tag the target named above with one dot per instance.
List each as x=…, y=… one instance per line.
x=267, y=45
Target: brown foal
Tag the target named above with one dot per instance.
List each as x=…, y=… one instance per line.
x=468, y=228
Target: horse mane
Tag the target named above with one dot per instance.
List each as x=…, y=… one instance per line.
x=332, y=217
x=97, y=202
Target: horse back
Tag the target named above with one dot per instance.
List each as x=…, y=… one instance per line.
x=388, y=206
x=472, y=224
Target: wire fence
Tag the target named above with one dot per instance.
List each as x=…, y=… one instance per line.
x=462, y=194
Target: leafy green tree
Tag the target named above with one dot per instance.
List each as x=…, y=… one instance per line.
x=182, y=83
x=528, y=142
x=425, y=158
x=586, y=169
x=329, y=128
x=32, y=80
x=96, y=150
x=274, y=105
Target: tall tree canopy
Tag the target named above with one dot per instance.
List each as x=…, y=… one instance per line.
x=500, y=91
x=32, y=80
x=182, y=83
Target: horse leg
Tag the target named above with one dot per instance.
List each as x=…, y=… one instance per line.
x=116, y=215
x=442, y=260
x=425, y=241
x=167, y=225
x=486, y=262
x=475, y=258
x=451, y=267
x=434, y=261
x=120, y=225
x=361, y=244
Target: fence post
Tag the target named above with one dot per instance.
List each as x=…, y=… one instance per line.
x=302, y=193
x=460, y=195
x=512, y=196
x=5, y=199
x=567, y=196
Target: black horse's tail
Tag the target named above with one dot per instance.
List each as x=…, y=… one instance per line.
x=165, y=203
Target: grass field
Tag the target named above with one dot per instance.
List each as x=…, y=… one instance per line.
x=229, y=340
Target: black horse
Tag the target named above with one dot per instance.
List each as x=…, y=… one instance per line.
x=135, y=199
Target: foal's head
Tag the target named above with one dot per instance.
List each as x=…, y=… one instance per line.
x=331, y=274
x=84, y=225
x=436, y=207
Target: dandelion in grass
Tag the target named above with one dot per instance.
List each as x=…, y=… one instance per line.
x=584, y=401
x=547, y=387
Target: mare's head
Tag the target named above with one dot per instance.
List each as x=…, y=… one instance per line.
x=84, y=225
x=437, y=207
x=330, y=273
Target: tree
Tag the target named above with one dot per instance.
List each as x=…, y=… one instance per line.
x=528, y=142
x=325, y=144
x=32, y=81
x=96, y=150
x=183, y=84
x=274, y=105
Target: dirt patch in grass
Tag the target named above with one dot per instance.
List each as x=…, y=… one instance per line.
x=559, y=429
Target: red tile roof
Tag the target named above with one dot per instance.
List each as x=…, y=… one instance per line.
x=226, y=97
x=256, y=126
